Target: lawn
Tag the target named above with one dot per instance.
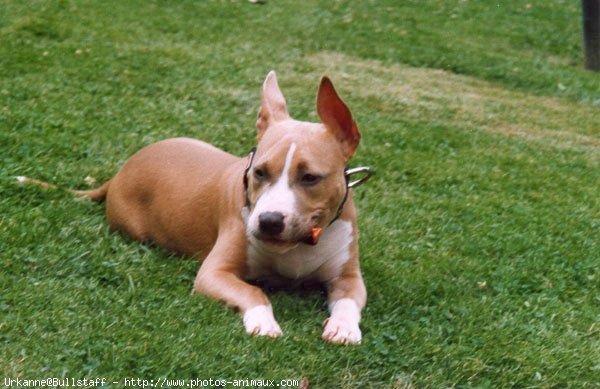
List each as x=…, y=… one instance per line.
x=480, y=234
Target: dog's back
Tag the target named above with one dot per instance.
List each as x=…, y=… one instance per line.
x=151, y=196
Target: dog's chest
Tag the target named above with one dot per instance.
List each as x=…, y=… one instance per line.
x=322, y=261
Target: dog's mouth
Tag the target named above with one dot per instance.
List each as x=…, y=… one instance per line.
x=273, y=244
x=310, y=238
x=275, y=241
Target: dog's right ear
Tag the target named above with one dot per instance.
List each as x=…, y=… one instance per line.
x=336, y=116
x=273, y=107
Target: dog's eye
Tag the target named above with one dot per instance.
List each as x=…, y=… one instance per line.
x=260, y=174
x=310, y=179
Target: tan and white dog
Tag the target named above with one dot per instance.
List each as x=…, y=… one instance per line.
x=256, y=218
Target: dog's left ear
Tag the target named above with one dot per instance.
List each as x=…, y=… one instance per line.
x=273, y=106
x=336, y=116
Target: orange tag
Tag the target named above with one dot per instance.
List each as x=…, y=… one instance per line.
x=315, y=234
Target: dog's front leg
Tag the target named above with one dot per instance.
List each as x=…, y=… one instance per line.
x=220, y=277
x=347, y=297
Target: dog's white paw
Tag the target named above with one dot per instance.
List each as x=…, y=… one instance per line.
x=259, y=321
x=340, y=331
x=342, y=327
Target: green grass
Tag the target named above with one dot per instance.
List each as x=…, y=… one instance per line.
x=479, y=235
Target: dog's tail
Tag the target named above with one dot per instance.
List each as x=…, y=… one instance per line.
x=98, y=194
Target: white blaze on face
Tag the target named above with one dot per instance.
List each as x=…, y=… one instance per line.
x=277, y=198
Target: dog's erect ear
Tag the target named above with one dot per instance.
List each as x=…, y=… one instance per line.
x=336, y=116
x=273, y=106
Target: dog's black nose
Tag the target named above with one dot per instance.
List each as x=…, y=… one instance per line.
x=271, y=223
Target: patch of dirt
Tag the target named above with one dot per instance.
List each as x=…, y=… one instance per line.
x=435, y=96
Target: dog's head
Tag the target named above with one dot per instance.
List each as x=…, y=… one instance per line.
x=296, y=182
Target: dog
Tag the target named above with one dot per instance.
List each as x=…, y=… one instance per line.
x=285, y=212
